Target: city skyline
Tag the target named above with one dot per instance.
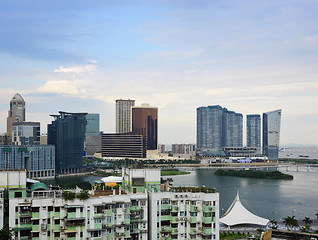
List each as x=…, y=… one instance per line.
x=80, y=57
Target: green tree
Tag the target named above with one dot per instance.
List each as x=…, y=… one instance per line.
x=273, y=223
x=83, y=195
x=67, y=195
x=6, y=233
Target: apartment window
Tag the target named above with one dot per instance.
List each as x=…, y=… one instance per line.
x=98, y=221
x=57, y=221
x=18, y=194
x=50, y=208
x=35, y=209
x=96, y=234
x=57, y=209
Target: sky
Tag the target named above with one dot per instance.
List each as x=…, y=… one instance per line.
x=80, y=56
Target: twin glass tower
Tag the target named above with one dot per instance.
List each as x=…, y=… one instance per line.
x=219, y=128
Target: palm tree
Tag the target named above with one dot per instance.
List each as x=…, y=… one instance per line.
x=294, y=222
x=308, y=222
x=287, y=221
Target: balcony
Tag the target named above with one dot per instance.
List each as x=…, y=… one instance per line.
x=25, y=214
x=165, y=218
x=207, y=220
x=193, y=219
x=71, y=215
x=35, y=215
x=207, y=208
x=98, y=215
x=174, y=219
x=193, y=230
x=166, y=229
x=174, y=230
x=174, y=209
x=165, y=206
x=57, y=215
x=207, y=231
x=134, y=208
x=35, y=228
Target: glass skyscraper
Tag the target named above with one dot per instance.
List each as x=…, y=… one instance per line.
x=253, y=131
x=218, y=128
x=271, y=131
x=145, y=123
x=67, y=133
x=92, y=135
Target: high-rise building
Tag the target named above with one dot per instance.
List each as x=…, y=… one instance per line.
x=210, y=127
x=253, y=131
x=218, y=128
x=123, y=115
x=67, y=133
x=16, y=112
x=92, y=135
x=232, y=129
x=271, y=132
x=25, y=133
x=145, y=123
x=124, y=145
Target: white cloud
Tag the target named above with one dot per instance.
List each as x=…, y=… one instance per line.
x=62, y=87
x=77, y=68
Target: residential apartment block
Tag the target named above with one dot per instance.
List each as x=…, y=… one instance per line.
x=139, y=209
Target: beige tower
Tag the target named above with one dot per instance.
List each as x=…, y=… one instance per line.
x=123, y=115
x=16, y=112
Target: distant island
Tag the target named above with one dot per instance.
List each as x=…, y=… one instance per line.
x=171, y=172
x=254, y=174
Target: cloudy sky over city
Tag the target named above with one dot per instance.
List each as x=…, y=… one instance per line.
x=80, y=56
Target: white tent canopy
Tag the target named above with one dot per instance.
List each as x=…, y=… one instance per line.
x=112, y=179
x=238, y=214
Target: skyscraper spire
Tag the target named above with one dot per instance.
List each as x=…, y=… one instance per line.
x=16, y=112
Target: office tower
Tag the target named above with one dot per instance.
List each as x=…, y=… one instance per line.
x=125, y=145
x=25, y=133
x=232, y=129
x=16, y=112
x=217, y=128
x=67, y=133
x=145, y=122
x=92, y=135
x=92, y=126
x=253, y=131
x=123, y=115
x=271, y=131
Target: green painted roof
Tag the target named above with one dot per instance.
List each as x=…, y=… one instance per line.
x=38, y=186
